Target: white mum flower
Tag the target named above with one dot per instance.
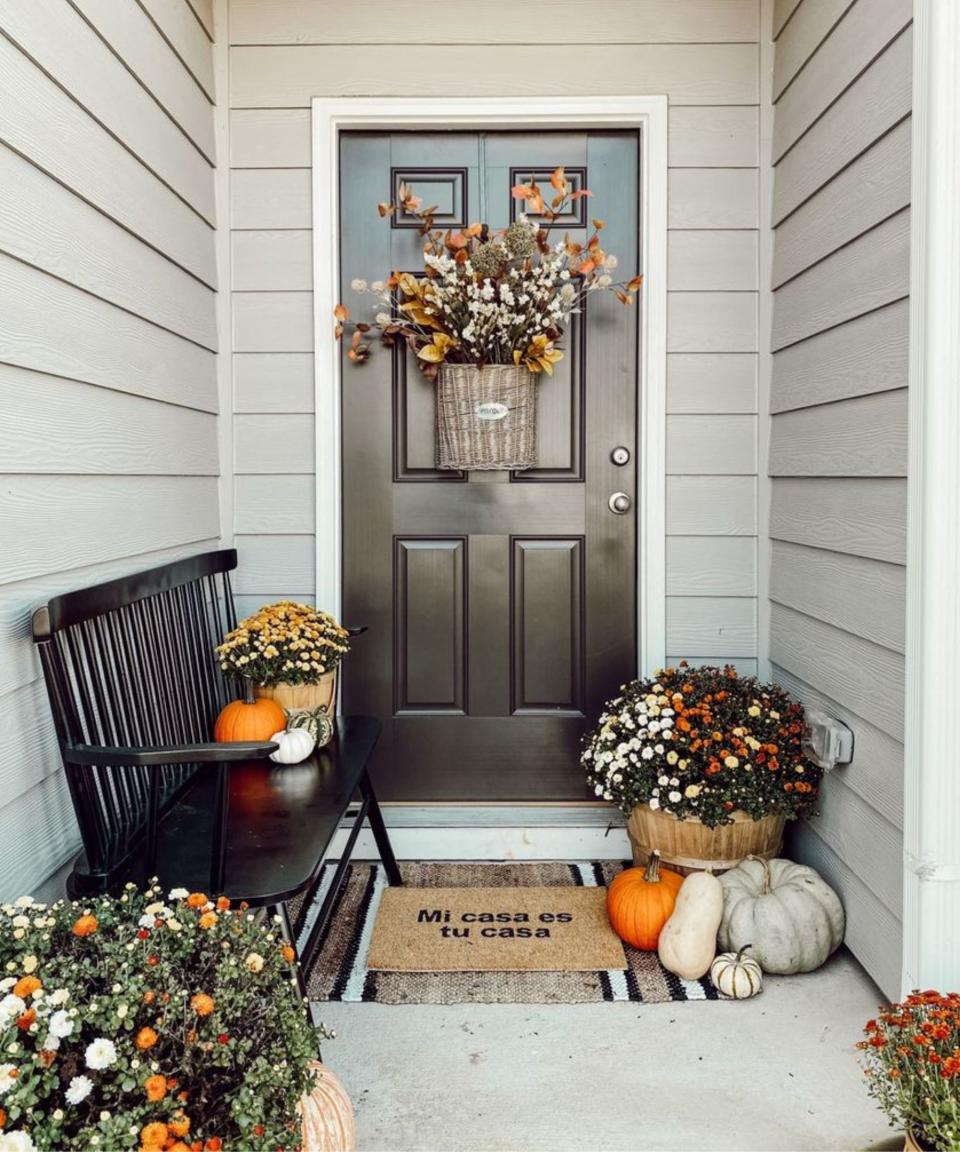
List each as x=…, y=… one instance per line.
x=80, y=1088
x=654, y=803
x=60, y=996
x=10, y=1008
x=19, y=1141
x=647, y=754
x=61, y=1025
x=358, y=284
x=8, y=1077
x=674, y=797
x=178, y=893
x=254, y=962
x=101, y=1053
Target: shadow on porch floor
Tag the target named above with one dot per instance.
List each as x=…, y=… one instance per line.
x=777, y=1072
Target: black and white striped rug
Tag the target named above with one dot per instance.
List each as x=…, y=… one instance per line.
x=340, y=972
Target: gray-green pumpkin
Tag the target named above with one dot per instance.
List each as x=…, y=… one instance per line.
x=791, y=918
x=315, y=721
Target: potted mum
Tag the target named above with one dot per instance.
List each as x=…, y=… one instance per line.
x=705, y=764
x=149, y=1021
x=911, y=1059
x=486, y=319
x=290, y=652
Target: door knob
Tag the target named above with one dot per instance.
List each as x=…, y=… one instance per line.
x=620, y=503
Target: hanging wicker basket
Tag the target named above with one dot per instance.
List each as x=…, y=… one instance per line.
x=687, y=846
x=486, y=417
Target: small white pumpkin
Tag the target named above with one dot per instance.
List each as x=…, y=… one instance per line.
x=688, y=940
x=295, y=744
x=792, y=919
x=736, y=976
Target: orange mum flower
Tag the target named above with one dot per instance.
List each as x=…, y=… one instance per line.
x=223, y=903
x=25, y=1019
x=155, y=1087
x=207, y=920
x=146, y=1038
x=154, y=1135
x=149, y=996
x=26, y=986
x=85, y=926
x=196, y=900
x=214, y=1144
x=3, y=1118
x=202, y=1004
x=180, y=1125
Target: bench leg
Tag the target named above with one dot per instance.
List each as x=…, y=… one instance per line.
x=286, y=931
x=379, y=829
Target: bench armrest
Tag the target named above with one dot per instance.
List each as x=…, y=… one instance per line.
x=92, y=754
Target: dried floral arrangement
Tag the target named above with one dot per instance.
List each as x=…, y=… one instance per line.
x=489, y=297
x=702, y=742
x=911, y=1058
x=148, y=1022
x=285, y=643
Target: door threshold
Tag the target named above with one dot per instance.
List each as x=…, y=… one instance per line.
x=498, y=832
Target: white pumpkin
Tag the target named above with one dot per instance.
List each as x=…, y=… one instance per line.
x=326, y=1114
x=736, y=976
x=791, y=918
x=688, y=940
x=295, y=744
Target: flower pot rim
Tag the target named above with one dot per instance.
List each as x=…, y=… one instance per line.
x=738, y=816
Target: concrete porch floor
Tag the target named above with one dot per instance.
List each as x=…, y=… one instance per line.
x=775, y=1072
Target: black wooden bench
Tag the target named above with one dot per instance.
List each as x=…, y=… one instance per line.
x=135, y=687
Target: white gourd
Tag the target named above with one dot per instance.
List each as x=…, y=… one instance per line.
x=688, y=940
x=315, y=721
x=736, y=976
x=295, y=744
x=786, y=912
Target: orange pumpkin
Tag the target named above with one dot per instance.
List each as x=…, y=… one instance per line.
x=640, y=901
x=249, y=719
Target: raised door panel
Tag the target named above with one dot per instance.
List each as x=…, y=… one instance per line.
x=547, y=618
x=429, y=619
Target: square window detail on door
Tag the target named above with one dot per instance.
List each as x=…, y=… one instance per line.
x=501, y=607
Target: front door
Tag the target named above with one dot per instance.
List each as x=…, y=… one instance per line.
x=501, y=606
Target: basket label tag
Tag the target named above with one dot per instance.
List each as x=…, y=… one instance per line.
x=492, y=410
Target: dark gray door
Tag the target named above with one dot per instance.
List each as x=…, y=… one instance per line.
x=501, y=606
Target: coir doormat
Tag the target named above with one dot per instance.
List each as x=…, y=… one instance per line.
x=341, y=970
x=494, y=929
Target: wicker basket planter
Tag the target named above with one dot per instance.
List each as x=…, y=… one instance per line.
x=486, y=417
x=687, y=846
x=304, y=697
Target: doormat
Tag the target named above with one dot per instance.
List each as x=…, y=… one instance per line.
x=494, y=929
x=341, y=971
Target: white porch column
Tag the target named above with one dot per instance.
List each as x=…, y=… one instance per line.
x=931, y=898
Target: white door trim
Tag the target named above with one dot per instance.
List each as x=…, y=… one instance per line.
x=646, y=113
x=931, y=890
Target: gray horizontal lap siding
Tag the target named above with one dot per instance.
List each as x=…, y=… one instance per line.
x=108, y=446
x=837, y=456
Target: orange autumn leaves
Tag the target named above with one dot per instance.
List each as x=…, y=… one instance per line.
x=489, y=296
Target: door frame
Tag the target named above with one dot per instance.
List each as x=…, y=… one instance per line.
x=647, y=115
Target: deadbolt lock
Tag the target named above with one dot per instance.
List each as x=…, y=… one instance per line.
x=620, y=456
